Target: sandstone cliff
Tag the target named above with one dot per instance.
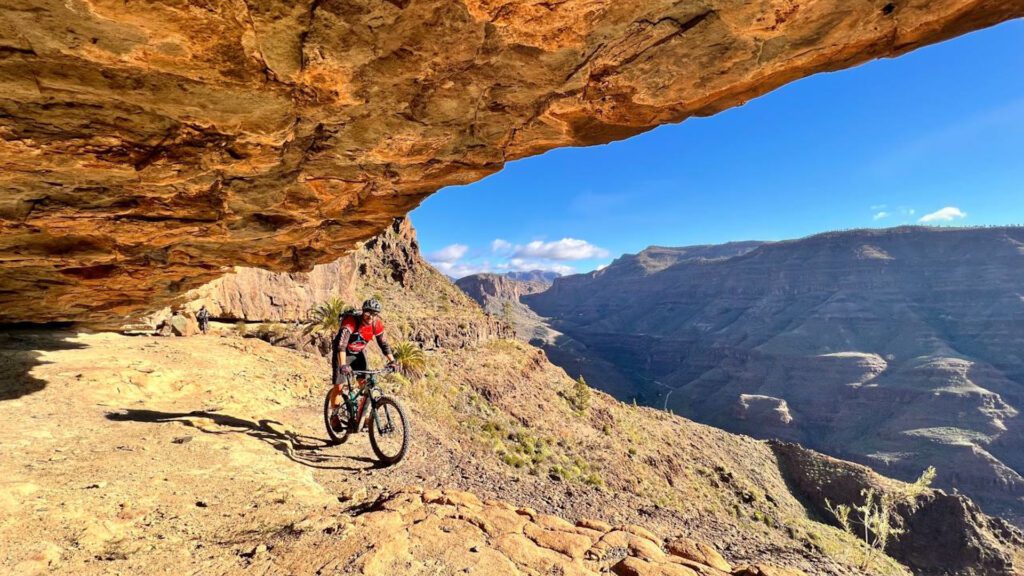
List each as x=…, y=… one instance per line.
x=147, y=148
x=897, y=348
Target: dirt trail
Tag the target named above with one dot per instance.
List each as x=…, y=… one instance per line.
x=118, y=447
x=170, y=455
x=145, y=454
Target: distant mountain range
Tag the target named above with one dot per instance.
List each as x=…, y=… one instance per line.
x=898, y=348
x=534, y=276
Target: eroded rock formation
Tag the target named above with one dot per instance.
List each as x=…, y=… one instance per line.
x=959, y=538
x=895, y=348
x=388, y=266
x=145, y=147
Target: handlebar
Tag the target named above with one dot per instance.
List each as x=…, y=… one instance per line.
x=385, y=370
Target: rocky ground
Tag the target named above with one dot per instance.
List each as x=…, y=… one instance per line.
x=143, y=455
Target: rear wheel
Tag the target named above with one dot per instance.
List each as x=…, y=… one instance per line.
x=336, y=416
x=389, y=430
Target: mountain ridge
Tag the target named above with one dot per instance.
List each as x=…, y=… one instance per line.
x=886, y=322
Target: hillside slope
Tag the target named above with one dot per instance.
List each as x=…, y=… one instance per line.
x=141, y=455
x=896, y=348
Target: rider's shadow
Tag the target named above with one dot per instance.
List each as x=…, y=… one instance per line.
x=298, y=448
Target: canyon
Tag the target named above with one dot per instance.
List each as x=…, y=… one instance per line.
x=257, y=157
x=146, y=148
x=898, y=348
x=209, y=450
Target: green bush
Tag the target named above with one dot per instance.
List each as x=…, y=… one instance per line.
x=411, y=359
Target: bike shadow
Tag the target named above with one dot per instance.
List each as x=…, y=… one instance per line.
x=299, y=448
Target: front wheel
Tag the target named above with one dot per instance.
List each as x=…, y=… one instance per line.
x=336, y=416
x=389, y=430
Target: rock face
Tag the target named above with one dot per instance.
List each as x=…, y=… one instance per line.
x=898, y=349
x=389, y=264
x=492, y=291
x=147, y=148
x=968, y=542
x=256, y=295
x=499, y=295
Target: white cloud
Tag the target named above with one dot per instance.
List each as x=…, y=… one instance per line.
x=601, y=267
x=458, y=269
x=879, y=207
x=501, y=246
x=881, y=215
x=449, y=254
x=947, y=214
x=525, y=265
x=457, y=260
x=564, y=249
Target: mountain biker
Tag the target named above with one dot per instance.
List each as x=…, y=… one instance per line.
x=355, y=332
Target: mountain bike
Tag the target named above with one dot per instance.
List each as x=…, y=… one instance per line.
x=345, y=413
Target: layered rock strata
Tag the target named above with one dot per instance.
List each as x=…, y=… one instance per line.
x=895, y=348
x=148, y=147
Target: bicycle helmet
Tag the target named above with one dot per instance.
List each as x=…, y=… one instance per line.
x=372, y=305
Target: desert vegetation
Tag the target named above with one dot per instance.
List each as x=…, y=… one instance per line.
x=875, y=519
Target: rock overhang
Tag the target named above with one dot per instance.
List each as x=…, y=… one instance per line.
x=148, y=147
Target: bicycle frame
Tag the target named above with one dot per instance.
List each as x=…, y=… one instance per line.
x=367, y=394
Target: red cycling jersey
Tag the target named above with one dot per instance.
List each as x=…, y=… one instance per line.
x=362, y=332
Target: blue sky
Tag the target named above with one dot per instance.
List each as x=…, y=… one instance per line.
x=939, y=131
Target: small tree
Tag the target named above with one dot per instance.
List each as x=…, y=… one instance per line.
x=579, y=396
x=410, y=358
x=875, y=515
x=326, y=317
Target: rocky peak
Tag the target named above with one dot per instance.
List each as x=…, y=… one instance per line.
x=492, y=290
x=148, y=148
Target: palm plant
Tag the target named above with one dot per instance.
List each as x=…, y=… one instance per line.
x=410, y=358
x=326, y=316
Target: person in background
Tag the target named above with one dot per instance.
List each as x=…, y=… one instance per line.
x=203, y=316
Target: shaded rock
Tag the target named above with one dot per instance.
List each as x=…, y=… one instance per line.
x=944, y=533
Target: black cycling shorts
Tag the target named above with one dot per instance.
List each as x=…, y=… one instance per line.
x=357, y=361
